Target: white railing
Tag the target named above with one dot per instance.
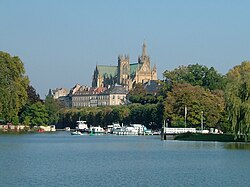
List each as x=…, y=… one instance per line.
x=179, y=130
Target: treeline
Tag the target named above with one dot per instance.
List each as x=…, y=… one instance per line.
x=186, y=97
x=149, y=115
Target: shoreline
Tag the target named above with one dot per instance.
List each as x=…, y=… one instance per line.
x=208, y=137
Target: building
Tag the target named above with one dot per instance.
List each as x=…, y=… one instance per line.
x=152, y=87
x=61, y=95
x=126, y=74
x=91, y=97
x=84, y=96
x=58, y=92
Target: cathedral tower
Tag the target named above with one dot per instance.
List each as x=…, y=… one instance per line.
x=123, y=70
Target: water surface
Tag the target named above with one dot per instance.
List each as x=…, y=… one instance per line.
x=59, y=159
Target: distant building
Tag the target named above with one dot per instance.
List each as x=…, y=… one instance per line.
x=60, y=94
x=84, y=96
x=125, y=74
x=92, y=97
x=116, y=95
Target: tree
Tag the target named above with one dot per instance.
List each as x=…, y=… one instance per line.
x=36, y=114
x=13, y=86
x=197, y=100
x=196, y=75
x=238, y=99
x=52, y=108
x=33, y=97
x=136, y=94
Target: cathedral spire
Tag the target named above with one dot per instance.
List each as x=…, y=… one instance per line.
x=144, y=49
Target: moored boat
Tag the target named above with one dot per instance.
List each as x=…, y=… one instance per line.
x=82, y=126
x=97, y=130
x=78, y=133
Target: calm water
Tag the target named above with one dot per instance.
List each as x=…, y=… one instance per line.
x=60, y=159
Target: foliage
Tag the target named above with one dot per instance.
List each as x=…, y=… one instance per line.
x=196, y=75
x=136, y=94
x=13, y=85
x=139, y=95
x=149, y=115
x=197, y=100
x=52, y=108
x=35, y=114
x=238, y=99
x=33, y=97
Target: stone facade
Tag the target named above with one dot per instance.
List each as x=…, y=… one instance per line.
x=126, y=74
x=61, y=95
x=58, y=92
x=91, y=97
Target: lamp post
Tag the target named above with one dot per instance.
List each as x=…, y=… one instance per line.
x=185, y=111
x=201, y=121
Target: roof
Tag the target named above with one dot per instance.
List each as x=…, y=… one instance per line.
x=133, y=68
x=118, y=89
x=107, y=70
x=152, y=86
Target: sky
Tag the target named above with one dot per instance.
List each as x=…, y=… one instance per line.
x=61, y=41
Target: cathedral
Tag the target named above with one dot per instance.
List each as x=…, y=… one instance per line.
x=126, y=74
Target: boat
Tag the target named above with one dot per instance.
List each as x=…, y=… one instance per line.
x=96, y=130
x=82, y=126
x=112, y=128
x=78, y=133
x=67, y=129
x=126, y=131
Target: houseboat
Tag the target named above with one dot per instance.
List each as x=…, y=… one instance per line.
x=96, y=130
x=82, y=126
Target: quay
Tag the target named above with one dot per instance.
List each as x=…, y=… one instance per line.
x=169, y=133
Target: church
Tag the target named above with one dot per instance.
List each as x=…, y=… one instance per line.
x=126, y=74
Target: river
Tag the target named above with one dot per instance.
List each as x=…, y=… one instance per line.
x=59, y=159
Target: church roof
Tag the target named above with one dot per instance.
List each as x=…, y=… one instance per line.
x=133, y=67
x=108, y=70
x=113, y=70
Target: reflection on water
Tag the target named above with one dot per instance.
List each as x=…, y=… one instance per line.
x=236, y=146
x=60, y=159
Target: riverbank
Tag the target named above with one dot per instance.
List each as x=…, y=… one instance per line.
x=207, y=137
x=14, y=132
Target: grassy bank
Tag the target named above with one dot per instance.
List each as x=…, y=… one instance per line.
x=207, y=137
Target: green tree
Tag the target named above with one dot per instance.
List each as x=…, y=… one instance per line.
x=196, y=75
x=136, y=94
x=100, y=118
x=116, y=115
x=52, y=107
x=197, y=100
x=13, y=86
x=33, y=97
x=36, y=114
x=238, y=99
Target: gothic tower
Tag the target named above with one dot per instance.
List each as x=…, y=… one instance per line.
x=144, y=58
x=123, y=70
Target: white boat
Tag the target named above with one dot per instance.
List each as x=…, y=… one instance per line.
x=78, y=133
x=82, y=126
x=126, y=131
x=67, y=128
x=113, y=127
x=96, y=130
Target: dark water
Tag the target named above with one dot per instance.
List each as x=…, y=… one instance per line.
x=60, y=159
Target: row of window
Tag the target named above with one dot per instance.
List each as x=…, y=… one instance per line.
x=78, y=104
x=88, y=98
